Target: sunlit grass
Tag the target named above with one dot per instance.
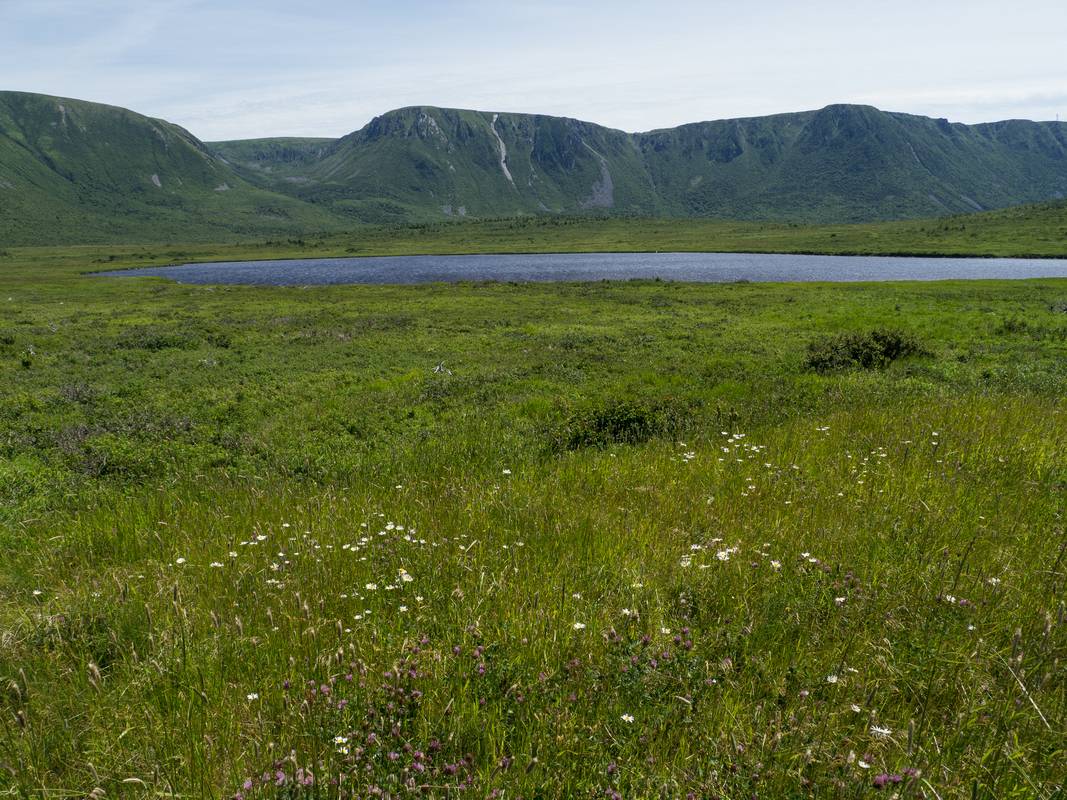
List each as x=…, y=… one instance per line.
x=825, y=601
x=625, y=542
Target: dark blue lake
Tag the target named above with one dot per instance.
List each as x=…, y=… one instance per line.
x=696, y=267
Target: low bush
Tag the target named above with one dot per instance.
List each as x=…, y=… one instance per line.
x=606, y=421
x=853, y=350
x=147, y=338
x=1017, y=326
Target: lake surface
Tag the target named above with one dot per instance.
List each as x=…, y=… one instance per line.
x=696, y=267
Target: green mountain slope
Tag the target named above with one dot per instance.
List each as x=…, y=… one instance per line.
x=425, y=163
x=841, y=163
x=77, y=171
x=854, y=163
x=283, y=158
x=72, y=171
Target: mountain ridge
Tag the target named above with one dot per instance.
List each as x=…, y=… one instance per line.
x=82, y=170
x=1032, y=168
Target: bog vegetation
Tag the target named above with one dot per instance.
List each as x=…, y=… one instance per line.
x=633, y=540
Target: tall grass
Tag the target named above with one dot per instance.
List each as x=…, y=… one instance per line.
x=825, y=606
x=625, y=542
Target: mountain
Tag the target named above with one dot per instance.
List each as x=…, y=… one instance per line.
x=75, y=171
x=433, y=162
x=842, y=164
x=72, y=171
x=854, y=163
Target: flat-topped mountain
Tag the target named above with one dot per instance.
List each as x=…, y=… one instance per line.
x=842, y=163
x=81, y=168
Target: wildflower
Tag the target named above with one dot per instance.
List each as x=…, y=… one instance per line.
x=252, y=696
x=179, y=561
x=507, y=472
x=884, y=779
x=405, y=576
x=371, y=587
x=839, y=601
x=626, y=612
x=776, y=565
x=215, y=564
x=831, y=679
x=627, y=717
x=856, y=709
x=880, y=732
x=665, y=631
x=579, y=626
x=402, y=609
x=37, y=592
x=340, y=740
x=863, y=764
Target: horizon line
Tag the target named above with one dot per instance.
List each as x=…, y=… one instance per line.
x=538, y=114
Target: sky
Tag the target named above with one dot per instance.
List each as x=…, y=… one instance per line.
x=229, y=69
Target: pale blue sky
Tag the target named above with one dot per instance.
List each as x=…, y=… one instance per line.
x=244, y=68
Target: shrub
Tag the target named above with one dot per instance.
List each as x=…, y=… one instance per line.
x=853, y=350
x=620, y=421
x=147, y=338
x=1013, y=325
x=110, y=455
x=78, y=392
x=1037, y=332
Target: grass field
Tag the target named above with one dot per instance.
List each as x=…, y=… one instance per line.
x=1034, y=231
x=608, y=540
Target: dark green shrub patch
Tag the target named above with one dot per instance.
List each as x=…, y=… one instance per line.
x=153, y=339
x=852, y=350
x=606, y=421
x=1017, y=326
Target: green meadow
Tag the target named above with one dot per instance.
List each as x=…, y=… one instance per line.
x=606, y=540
